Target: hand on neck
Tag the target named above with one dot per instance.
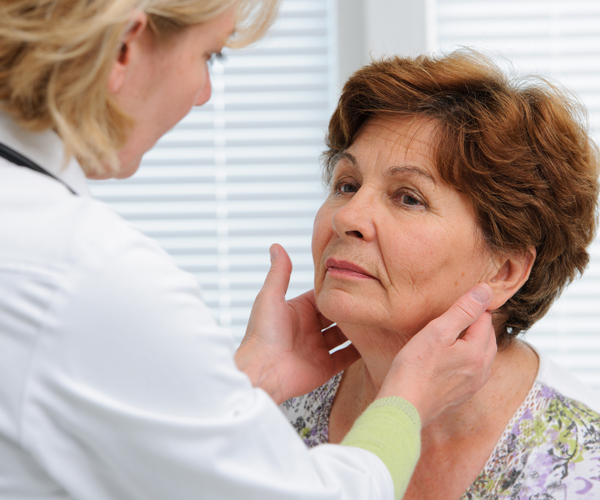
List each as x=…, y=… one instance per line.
x=513, y=373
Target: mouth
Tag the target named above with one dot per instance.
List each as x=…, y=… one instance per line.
x=346, y=270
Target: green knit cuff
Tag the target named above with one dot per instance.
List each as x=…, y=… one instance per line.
x=391, y=429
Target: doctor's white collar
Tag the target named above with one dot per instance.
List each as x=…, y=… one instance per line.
x=46, y=149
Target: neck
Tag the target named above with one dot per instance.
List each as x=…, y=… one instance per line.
x=377, y=349
x=513, y=373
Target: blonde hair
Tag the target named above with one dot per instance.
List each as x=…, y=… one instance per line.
x=56, y=57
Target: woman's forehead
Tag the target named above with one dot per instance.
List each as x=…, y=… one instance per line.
x=402, y=131
x=394, y=144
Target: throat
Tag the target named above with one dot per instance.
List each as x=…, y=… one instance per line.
x=377, y=349
x=361, y=382
x=357, y=390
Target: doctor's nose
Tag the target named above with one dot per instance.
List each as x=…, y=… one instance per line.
x=205, y=93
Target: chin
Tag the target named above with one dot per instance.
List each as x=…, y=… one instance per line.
x=372, y=313
x=128, y=170
x=342, y=307
x=330, y=307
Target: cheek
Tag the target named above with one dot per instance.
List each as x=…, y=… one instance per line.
x=412, y=254
x=189, y=86
x=320, y=235
x=432, y=266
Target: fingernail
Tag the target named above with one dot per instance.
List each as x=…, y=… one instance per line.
x=273, y=252
x=481, y=294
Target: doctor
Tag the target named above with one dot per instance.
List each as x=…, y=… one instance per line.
x=115, y=382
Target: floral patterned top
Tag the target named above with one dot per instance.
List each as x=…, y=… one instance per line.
x=550, y=449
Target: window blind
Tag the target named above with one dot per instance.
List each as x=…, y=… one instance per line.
x=241, y=172
x=560, y=39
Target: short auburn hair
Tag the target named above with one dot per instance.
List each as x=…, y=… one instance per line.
x=519, y=149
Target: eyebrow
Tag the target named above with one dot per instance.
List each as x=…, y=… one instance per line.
x=392, y=171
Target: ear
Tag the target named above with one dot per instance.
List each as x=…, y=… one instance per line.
x=509, y=275
x=138, y=22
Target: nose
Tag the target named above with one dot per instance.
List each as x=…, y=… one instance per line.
x=356, y=218
x=205, y=93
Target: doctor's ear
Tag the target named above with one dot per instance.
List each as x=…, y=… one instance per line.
x=138, y=22
x=510, y=273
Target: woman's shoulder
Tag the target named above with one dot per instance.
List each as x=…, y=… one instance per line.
x=563, y=383
x=309, y=414
x=551, y=447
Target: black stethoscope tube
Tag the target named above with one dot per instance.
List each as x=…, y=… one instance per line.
x=18, y=159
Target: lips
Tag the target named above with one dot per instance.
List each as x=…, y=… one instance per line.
x=345, y=269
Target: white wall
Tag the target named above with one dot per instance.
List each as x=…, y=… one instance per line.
x=374, y=28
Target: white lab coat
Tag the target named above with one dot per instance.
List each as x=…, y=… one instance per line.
x=115, y=382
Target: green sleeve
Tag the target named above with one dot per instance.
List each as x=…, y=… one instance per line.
x=391, y=429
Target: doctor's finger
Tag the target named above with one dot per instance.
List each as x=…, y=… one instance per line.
x=463, y=313
x=480, y=335
x=278, y=278
x=480, y=342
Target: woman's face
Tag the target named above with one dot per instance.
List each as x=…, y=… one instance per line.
x=394, y=246
x=160, y=82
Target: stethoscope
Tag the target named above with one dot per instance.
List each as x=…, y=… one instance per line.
x=18, y=159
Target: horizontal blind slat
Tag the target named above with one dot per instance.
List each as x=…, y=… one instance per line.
x=242, y=171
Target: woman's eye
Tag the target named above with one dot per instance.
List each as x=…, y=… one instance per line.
x=345, y=188
x=410, y=200
x=407, y=199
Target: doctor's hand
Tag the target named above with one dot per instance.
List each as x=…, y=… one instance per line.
x=440, y=368
x=284, y=350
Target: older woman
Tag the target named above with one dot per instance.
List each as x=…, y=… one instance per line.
x=444, y=173
x=115, y=381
